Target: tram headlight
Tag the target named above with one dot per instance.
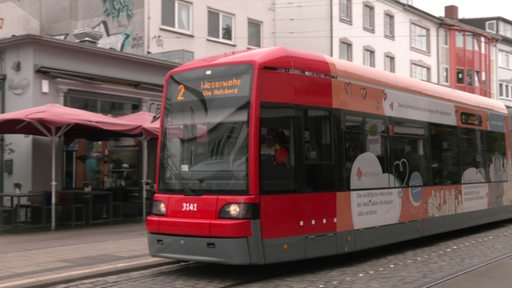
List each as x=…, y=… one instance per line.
x=239, y=211
x=158, y=208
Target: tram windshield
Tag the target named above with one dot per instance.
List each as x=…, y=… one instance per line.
x=204, y=135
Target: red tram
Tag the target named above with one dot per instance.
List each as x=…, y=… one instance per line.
x=274, y=155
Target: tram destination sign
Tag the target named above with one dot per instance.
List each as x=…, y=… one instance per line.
x=212, y=82
x=229, y=87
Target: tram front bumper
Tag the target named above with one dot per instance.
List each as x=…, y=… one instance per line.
x=200, y=249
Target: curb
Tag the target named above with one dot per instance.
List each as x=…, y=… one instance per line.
x=87, y=273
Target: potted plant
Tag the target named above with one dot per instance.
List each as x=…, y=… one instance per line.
x=87, y=186
x=17, y=187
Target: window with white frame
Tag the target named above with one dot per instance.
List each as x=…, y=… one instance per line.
x=469, y=41
x=420, y=72
x=445, y=75
x=484, y=46
x=460, y=76
x=368, y=17
x=477, y=78
x=369, y=57
x=389, y=25
x=504, y=90
x=345, y=50
x=477, y=46
x=177, y=15
x=221, y=26
x=470, y=77
x=420, y=38
x=254, y=33
x=346, y=10
x=505, y=59
x=389, y=62
x=490, y=26
x=459, y=39
x=443, y=37
x=505, y=29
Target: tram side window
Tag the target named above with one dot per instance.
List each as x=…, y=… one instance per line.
x=365, y=145
x=496, y=157
x=471, y=148
x=445, y=157
x=410, y=153
x=319, y=168
x=277, y=148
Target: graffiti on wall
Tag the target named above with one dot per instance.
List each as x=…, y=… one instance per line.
x=116, y=9
x=109, y=40
x=121, y=13
x=136, y=41
x=116, y=41
x=158, y=41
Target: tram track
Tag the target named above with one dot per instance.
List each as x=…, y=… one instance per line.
x=435, y=262
x=227, y=276
x=468, y=270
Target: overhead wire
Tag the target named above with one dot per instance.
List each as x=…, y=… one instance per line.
x=328, y=30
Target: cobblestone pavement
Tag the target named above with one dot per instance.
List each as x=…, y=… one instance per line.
x=410, y=264
x=40, y=258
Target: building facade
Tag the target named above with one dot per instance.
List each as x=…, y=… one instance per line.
x=304, y=25
x=128, y=36
x=466, y=55
x=501, y=28
x=38, y=70
x=121, y=22
x=186, y=30
x=387, y=35
x=131, y=35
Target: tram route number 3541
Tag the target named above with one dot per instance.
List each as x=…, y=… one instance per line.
x=189, y=207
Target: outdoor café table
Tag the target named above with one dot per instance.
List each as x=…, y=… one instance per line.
x=17, y=206
x=92, y=199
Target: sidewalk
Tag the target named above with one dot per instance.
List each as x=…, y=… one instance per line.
x=37, y=259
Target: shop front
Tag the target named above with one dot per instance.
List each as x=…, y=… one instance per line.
x=87, y=78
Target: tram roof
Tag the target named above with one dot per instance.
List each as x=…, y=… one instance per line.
x=287, y=58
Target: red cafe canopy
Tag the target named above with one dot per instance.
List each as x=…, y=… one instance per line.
x=54, y=121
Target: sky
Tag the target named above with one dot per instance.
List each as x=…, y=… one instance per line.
x=468, y=8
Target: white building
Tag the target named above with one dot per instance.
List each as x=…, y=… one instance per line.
x=384, y=34
x=304, y=25
x=387, y=35
x=200, y=28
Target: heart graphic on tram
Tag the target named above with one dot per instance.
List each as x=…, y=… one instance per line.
x=348, y=88
x=364, y=93
x=401, y=171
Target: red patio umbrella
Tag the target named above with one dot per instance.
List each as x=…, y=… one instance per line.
x=54, y=121
x=149, y=121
